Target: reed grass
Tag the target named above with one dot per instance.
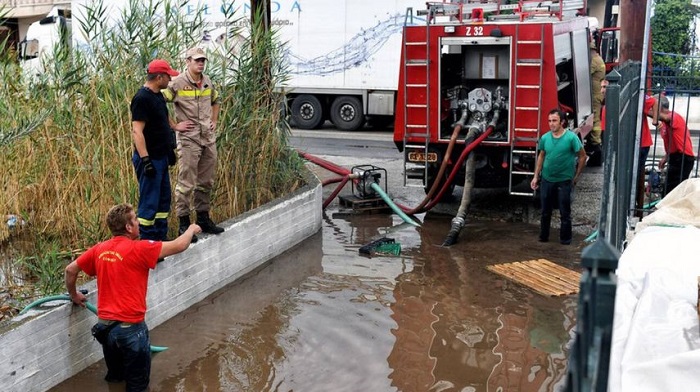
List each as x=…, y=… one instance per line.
x=67, y=158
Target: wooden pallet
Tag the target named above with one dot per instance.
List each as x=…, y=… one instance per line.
x=364, y=205
x=541, y=275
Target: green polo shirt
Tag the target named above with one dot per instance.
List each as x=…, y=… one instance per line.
x=559, y=156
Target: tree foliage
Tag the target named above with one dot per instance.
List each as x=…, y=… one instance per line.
x=671, y=29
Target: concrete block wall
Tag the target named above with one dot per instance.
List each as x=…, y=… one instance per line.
x=46, y=347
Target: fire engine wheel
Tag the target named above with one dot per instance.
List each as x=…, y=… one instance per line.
x=346, y=113
x=307, y=112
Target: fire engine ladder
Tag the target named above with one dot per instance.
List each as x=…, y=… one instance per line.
x=460, y=10
x=526, y=132
x=416, y=92
x=560, y=9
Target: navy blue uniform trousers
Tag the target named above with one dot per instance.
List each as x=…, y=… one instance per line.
x=154, y=199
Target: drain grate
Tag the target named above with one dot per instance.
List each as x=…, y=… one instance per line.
x=541, y=275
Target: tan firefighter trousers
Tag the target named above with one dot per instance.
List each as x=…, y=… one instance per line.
x=196, y=169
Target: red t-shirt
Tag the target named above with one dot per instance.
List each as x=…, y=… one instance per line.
x=645, y=140
x=649, y=102
x=121, y=266
x=678, y=139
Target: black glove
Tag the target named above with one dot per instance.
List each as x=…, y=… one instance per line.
x=148, y=169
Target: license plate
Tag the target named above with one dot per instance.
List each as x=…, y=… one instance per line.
x=420, y=157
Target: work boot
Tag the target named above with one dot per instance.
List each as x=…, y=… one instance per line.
x=206, y=223
x=184, y=224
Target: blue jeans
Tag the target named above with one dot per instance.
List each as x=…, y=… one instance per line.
x=551, y=194
x=154, y=199
x=128, y=356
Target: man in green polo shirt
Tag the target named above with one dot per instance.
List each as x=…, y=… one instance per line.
x=556, y=173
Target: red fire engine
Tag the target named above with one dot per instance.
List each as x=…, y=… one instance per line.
x=493, y=71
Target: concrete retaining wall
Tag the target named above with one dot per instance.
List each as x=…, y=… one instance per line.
x=46, y=347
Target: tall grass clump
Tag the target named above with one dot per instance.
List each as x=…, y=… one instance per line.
x=69, y=158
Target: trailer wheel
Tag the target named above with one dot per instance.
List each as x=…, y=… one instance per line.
x=307, y=111
x=346, y=113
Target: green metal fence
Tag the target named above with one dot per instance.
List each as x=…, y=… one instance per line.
x=590, y=355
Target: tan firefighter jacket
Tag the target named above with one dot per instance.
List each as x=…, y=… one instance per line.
x=193, y=101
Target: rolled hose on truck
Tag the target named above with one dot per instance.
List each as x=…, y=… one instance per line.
x=91, y=307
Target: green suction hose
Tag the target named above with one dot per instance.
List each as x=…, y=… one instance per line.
x=91, y=307
x=393, y=206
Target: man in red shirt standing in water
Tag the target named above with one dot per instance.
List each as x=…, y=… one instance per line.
x=121, y=265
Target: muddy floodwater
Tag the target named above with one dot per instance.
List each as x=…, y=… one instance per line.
x=323, y=318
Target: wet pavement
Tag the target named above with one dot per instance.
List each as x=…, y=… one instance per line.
x=323, y=318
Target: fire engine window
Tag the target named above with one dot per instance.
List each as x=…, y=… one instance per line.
x=29, y=49
x=609, y=46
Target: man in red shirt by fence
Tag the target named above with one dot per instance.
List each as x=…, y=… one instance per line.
x=679, y=157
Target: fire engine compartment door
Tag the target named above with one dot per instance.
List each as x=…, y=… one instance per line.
x=476, y=62
x=582, y=69
x=469, y=63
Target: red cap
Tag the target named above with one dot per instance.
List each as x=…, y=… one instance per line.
x=158, y=66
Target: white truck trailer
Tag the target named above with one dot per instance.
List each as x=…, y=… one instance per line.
x=344, y=61
x=342, y=55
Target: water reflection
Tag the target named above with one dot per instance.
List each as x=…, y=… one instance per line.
x=461, y=328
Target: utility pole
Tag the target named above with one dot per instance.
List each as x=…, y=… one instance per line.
x=632, y=48
x=631, y=30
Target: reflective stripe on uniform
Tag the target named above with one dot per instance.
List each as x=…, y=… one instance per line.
x=151, y=222
x=147, y=222
x=194, y=93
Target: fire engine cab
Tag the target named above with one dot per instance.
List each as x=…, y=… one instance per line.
x=494, y=70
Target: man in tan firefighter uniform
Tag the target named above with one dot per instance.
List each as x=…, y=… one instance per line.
x=597, y=76
x=197, y=101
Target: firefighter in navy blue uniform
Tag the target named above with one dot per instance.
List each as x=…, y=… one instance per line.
x=151, y=134
x=196, y=102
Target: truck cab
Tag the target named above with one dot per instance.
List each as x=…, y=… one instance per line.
x=44, y=37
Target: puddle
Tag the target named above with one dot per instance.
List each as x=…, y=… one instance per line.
x=321, y=317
